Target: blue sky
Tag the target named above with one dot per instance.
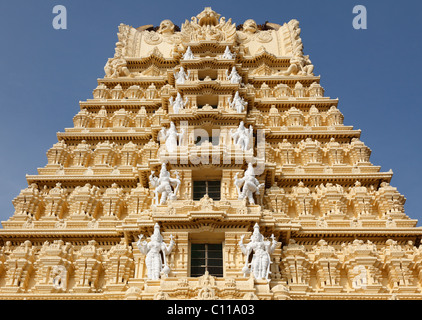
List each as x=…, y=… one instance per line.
x=375, y=72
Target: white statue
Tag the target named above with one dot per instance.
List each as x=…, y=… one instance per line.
x=59, y=274
x=238, y=103
x=234, y=76
x=164, y=185
x=156, y=252
x=243, y=137
x=250, y=184
x=227, y=54
x=171, y=136
x=188, y=54
x=181, y=76
x=178, y=104
x=261, y=250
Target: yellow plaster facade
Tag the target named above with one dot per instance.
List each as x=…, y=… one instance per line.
x=329, y=222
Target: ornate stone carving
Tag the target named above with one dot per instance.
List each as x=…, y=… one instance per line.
x=171, y=137
x=228, y=54
x=178, y=104
x=207, y=26
x=20, y=267
x=248, y=185
x=234, y=77
x=260, y=250
x=164, y=185
x=156, y=252
x=181, y=76
x=88, y=268
x=238, y=103
x=242, y=137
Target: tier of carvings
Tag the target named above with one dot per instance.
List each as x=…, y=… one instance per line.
x=358, y=266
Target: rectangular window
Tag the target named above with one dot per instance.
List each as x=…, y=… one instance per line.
x=211, y=188
x=206, y=257
x=215, y=141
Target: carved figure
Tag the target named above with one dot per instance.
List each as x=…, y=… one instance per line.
x=234, y=76
x=243, y=137
x=164, y=185
x=178, y=104
x=261, y=250
x=156, y=252
x=166, y=27
x=59, y=274
x=300, y=64
x=171, y=136
x=250, y=184
x=188, y=54
x=238, y=103
x=181, y=76
x=116, y=67
x=227, y=54
x=250, y=26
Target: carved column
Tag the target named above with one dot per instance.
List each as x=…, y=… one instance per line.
x=88, y=268
x=120, y=267
x=20, y=268
x=54, y=267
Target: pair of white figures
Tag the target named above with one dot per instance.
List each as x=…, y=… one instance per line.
x=182, y=76
x=188, y=55
x=238, y=103
x=242, y=137
x=168, y=187
x=258, y=248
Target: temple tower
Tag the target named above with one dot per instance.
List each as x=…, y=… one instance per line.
x=210, y=165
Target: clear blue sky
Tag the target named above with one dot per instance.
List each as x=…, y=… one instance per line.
x=376, y=73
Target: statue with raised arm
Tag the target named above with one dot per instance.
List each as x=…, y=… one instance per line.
x=181, y=76
x=234, y=77
x=172, y=137
x=164, y=185
x=243, y=137
x=238, y=103
x=156, y=252
x=261, y=251
x=178, y=104
x=248, y=185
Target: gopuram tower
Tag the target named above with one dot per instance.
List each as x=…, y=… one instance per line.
x=210, y=165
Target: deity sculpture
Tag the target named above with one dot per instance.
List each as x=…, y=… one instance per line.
x=181, y=76
x=243, y=137
x=171, y=136
x=178, y=104
x=164, y=185
x=166, y=27
x=227, y=54
x=300, y=64
x=250, y=185
x=250, y=26
x=188, y=54
x=261, y=250
x=156, y=252
x=234, y=76
x=116, y=67
x=59, y=274
x=238, y=103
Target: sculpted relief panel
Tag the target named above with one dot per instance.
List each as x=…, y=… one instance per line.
x=210, y=26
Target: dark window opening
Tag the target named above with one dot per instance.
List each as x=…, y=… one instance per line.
x=206, y=257
x=215, y=141
x=211, y=188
